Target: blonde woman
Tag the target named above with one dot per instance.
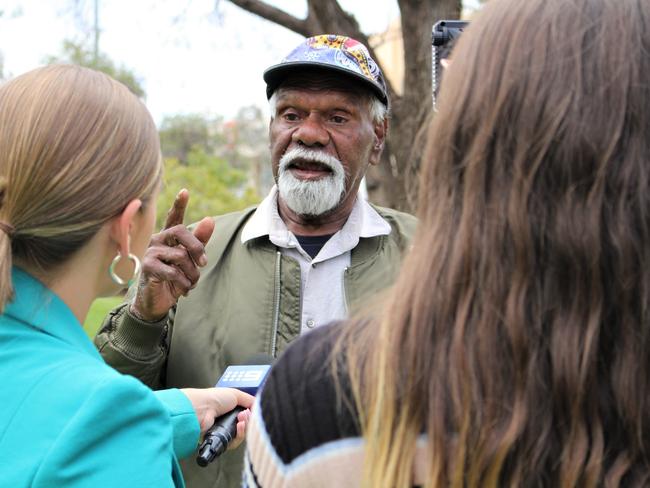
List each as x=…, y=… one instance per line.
x=514, y=349
x=80, y=169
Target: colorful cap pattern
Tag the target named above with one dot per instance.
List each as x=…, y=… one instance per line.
x=333, y=52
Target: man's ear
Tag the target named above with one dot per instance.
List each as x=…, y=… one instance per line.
x=122, y=224
x=381, y=130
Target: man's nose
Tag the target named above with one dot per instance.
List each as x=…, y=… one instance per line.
x=311, y=132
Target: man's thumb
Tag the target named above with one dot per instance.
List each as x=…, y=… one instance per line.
x=203, y=230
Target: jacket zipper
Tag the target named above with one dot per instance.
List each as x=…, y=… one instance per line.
x=276, y=310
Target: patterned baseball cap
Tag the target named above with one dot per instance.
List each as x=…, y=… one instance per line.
x=332, y=52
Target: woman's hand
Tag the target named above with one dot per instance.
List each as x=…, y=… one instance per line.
x=210, y=403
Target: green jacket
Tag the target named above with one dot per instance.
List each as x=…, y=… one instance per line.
x=247, y=302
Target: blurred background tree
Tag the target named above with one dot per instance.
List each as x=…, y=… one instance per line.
x=215, y=186
x=77, y=52
x=181, y=133
x=224, y=163
x=246, y=146
x=242, y=141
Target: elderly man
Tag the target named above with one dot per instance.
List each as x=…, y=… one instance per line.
x=309, y=254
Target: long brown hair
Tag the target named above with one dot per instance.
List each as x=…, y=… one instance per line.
x=75, y=147
x=518, y=337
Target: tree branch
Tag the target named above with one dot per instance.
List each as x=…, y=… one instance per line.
x=273, y=14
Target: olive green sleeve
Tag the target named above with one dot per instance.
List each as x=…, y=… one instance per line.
x=135, y=347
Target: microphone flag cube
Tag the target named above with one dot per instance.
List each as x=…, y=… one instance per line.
x=247, y=378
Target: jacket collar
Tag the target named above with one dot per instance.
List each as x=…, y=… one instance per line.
x=37, y=306
x=364, y=222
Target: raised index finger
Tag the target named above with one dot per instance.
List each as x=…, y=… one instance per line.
x=176, y=214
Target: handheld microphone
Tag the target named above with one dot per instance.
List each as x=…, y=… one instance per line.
x=247, y=378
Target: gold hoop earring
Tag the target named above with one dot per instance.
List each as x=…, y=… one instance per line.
x=116, y=278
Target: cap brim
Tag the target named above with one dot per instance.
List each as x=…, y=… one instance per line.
x=276, y=74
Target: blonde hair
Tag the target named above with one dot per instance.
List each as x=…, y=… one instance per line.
x=76, y=147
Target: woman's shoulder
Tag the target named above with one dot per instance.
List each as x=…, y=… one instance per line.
x=120, y=434
x=304, y=430
x=86, y=388
x=307, y=367
x=85, y=417
x=306, y=401
x=91, y=382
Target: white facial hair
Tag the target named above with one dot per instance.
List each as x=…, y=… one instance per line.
x=311, y=198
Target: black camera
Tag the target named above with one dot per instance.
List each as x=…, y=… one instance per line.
x=443, y=37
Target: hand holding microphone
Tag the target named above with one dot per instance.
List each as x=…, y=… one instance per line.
x=210, y=403
x=243, y=379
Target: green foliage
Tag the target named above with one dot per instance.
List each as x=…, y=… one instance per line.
x=247, y=137
x=77, y=53
x=215, y=187
x=98, y=312
x=179, y=134
x=242, y=141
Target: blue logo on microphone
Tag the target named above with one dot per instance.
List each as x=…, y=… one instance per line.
x=244, y=378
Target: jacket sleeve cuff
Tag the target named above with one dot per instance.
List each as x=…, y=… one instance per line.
x=185, y=424
x=136, y=337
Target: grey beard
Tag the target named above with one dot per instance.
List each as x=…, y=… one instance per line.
x=311, y=198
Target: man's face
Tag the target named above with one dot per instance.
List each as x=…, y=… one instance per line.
x=322, y=141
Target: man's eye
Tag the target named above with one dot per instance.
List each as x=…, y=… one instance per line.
x=337, y=119
x=291, y=117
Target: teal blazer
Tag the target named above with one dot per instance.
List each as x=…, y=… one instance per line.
x=69, y=420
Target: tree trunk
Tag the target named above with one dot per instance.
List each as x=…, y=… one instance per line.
x=393, y=183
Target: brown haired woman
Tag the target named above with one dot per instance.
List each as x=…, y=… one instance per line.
x=514, y=349
x=80, y=169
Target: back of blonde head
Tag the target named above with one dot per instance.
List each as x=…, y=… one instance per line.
x=76, y=147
